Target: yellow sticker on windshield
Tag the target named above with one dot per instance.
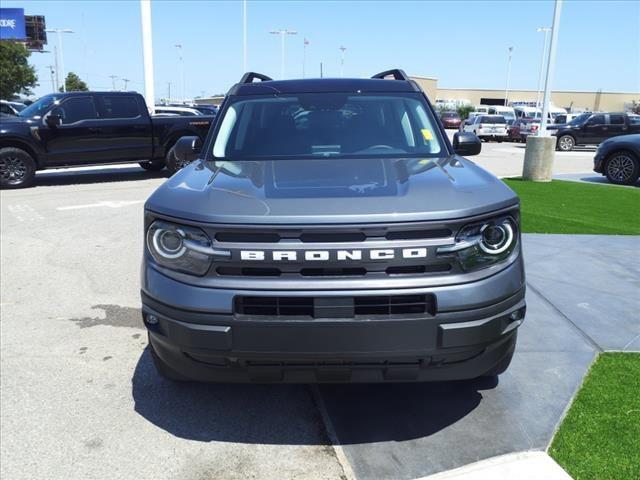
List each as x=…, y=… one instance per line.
x=426, y=133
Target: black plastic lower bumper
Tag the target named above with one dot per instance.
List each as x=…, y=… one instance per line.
x=445, y=346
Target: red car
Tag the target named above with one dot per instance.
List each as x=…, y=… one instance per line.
x=450, y=119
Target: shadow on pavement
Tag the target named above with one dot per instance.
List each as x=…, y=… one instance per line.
x=287, y=414
x=103, y=175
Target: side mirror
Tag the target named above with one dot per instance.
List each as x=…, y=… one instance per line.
x=53, y=120
x=187, y=149
x=466, y=144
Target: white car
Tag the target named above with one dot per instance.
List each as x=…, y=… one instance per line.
x=168, y=110
x=488, y=127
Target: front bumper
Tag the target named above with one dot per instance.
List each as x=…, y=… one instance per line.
x=473, y=329
x=598, y=162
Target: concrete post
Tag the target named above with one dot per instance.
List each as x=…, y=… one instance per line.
x=538, y=158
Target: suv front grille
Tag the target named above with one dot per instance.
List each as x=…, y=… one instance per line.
x=379, y=306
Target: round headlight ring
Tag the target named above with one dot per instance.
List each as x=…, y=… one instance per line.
x=160, y=239
x=504, y=229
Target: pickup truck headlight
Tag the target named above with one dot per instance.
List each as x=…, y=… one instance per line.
x=179, y=247
x=485, y=243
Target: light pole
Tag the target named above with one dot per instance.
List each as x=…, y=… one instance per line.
x=304, y=57
x=546, y=31
x=282, y=32
x=147, y=54
x=179, y=47
x=244, y=36
x=113, y=81
x=551, y=63
x=53, y=81
x=59, y=32
x=125, y=81
x=342, y=50
x=506, y=90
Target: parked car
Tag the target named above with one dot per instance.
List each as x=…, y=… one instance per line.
x=318, y=238
x=618, y=159
x=179, y=111
x=564, y=118
x=11, y=108
x=488, y=127
x=529, y=127
x=87, y=128
x=508, y=113
x=592, y=129
x=450, y=119
x=514, y=131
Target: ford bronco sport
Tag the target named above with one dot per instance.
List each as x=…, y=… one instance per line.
x=328, y=231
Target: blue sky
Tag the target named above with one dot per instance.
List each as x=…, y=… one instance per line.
x=463, y=44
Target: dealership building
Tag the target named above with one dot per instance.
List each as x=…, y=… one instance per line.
x=572, y=101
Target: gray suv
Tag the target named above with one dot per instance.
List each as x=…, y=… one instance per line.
x=328, y=231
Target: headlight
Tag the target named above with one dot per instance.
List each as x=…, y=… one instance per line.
x=181, y=248
x=484, y=244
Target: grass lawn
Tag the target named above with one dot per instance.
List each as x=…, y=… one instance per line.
x=571, y=207
x=600, y=437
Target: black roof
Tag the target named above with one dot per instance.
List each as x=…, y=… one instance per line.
x=319, y=85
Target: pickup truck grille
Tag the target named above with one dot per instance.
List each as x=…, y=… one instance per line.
x=349, y=251
x=381, y=306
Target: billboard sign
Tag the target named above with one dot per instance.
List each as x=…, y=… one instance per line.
x=12, y=26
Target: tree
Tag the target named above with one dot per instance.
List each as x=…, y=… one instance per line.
x=464, y=110
x=16, y=75
x=73, y=83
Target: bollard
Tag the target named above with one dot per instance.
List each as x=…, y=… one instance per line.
x=538, y=158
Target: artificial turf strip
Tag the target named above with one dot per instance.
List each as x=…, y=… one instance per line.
x=599, y=438
x=571, y=207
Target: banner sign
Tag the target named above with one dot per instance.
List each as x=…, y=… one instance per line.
x=12, y=26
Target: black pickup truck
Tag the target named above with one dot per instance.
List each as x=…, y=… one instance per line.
x=593, y=129
x=89, y=128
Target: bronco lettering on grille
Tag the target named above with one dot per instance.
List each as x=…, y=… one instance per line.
x=332, y=255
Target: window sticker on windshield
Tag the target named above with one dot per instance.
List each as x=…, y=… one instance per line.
x=426, y=133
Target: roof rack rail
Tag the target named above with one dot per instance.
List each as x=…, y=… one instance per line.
x=249, y=77
x=397, y=74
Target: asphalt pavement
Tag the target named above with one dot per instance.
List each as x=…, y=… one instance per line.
x=80, y=398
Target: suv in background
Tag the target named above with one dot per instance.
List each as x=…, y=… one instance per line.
x=329, y=232
x=488, y=127
x=592, y=129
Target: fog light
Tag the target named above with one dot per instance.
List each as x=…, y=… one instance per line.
x=517, y=314
x=152, y=320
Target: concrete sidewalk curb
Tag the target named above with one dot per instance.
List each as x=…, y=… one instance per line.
x=521, y=465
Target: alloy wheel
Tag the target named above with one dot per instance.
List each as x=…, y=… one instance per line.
x=620, y=167
x=566, y=143
x=12, y=169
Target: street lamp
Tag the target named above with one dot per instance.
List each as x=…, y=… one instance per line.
x=506, y=90
x=342, y=50
x=179, y=47
x=546, y=31
x=282, y=32
x=59, y=32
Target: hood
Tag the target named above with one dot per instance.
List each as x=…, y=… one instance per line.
x=15, y=120
x=330, y=191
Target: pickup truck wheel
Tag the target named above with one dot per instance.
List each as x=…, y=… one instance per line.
x=173, y=164
x=17, y=168
x=154, y=166
x=164, y=370
x=622, y=168
x=566, y=143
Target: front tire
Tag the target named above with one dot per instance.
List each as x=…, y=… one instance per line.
x=622, y=168
x=566, y=143
x=17, y=168
x=152, y=166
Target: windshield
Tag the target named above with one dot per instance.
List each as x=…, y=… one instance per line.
x=39, y=107
x=311, y=125
x=580, y=119
x=493, y=119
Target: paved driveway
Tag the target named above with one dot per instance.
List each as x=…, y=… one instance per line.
x=80, y=398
